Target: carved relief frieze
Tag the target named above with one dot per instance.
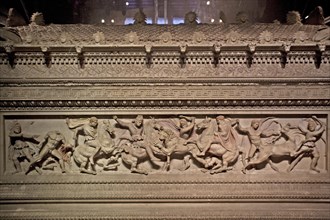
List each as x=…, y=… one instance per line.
x=213, y=144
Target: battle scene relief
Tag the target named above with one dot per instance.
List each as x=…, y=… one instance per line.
x=146, y=144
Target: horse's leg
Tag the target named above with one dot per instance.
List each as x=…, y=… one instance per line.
x=133, y=162
x=199, y=159
x=272, y=165
x=186, y=163
x=83, y=168
x=303, y=150
x=259, y=160
x=294, y=163
x=151, y=154
x=166, y=165
x=168, y=162
x=244, y=160
x=92, y=168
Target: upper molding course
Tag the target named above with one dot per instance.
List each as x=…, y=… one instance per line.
x=167, y=35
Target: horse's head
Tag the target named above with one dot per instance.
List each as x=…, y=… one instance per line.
x=205, y=123
x=108, y=127
x=165, y=134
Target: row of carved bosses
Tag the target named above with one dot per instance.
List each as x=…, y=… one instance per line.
x=214, y=144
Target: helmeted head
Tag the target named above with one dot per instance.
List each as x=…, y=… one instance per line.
x=190, y=18
x=220, y=119
x=287, y=127
x=138, y=121
x=311, y=125
x=165, y=134
x=16, y=128
x=255, y=124
x=93, y=121
x=183, y=122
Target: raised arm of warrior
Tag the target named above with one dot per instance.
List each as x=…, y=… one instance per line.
x=266, y=132
x=30, y=136
x=317, y=133
x=136, y=133
x=76, y=133
x=233, y=122
x=311, y=134
x=240, y=128
x=322, y=124
x=122, y=123
x=269, y=133
x=190, y=126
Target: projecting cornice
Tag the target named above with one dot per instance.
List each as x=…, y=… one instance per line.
x=170, y=35
x=158, y=51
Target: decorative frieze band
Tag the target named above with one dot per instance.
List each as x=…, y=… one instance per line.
x=166, y=192
x=179, y=92
x=167, y=211
x=166, y=104
x=162, y=70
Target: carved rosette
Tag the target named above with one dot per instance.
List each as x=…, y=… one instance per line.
x=166, y=37
x=64, y=38
x=300, y=37
x=233, y=37
x=266, y=37
x=131, y=38
x=99, y=37
x=199, y=37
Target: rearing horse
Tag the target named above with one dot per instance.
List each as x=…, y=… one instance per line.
x=172, y=144
x=287, y=148
x=83, y=152
x=221, y=144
